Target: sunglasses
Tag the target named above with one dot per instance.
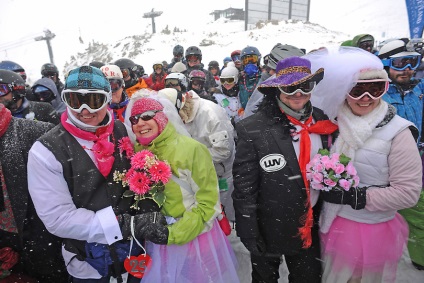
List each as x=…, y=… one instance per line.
x=235, y=58
x=197, y=83
x=91, y=99
x=44, y=95
x=401, y=63
x=374, y=89
x=171, y=82
x=192, y=58
x=305, y=88
x=157, y=66
x=146, y=116
x=5, y=89
x=115, y=84
x=229, y=80
x=252, y=59
x=366, y=45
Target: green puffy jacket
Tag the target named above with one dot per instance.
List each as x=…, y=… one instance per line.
x=190, y=161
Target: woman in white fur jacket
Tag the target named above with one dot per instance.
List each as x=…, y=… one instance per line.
x=362, y=234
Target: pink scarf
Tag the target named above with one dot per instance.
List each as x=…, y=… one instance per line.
x=103, y=149
x=5, y=117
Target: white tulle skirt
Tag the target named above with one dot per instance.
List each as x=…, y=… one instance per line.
x=208, y=258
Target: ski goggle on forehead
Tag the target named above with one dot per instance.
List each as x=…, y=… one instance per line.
x=145, y=116
x=5, y=89
x=91, y=99
x=374, y=88
x=305, y=88
x=171, y=82
x=401, y=63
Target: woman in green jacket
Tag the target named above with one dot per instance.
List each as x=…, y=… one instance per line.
x=195, y=249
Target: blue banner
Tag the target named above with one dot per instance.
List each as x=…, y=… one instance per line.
x=415, y=10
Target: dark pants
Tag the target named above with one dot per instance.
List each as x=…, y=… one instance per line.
x=304, y=267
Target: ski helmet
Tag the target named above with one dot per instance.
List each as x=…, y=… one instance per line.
x=178, y=50
x=280, y=52
x=230, y=72
x=213, y=64
x=11, y=66
x=49, y=68
x=14, y=83
x=193, y=50
x=182, y=80
x=96, y=64
x=251, y=50
x=197, y=74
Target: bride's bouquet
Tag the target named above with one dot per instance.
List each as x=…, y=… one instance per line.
x=331, y=172
x=147, y=176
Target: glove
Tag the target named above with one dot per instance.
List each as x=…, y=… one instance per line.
x=157, y=233
x=141, y=223
x=356, y=198
x=254, y=245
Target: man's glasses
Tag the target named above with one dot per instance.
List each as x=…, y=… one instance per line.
x=5, y=89
x=115, y=84
x=235, y=58
x=146, y=116
x=50, y=75
x=401, y=63
x=91, y=99
x=46, y=95
x=252, y=59
x=171, y=82
x=366, y=45
x=305, y=88
x=375, y=89
x=229, y=80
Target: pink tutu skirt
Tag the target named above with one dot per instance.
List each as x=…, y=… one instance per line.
x=208, y=258
x=359, y=250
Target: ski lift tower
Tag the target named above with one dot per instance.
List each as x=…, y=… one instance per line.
x=153, y=15
x=48, y=36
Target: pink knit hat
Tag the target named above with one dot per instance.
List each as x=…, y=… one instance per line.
x=145, y=104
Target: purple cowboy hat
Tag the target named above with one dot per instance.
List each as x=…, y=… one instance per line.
x=290, y=71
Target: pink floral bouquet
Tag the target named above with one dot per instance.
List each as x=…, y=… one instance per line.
x=147, y=176
x=331, y=171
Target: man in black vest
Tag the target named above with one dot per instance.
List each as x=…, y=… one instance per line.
x=274, y=207
x=72, y=187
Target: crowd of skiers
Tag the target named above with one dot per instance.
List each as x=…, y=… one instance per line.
x=237, y=139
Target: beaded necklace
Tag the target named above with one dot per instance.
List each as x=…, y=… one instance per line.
x=251, y=89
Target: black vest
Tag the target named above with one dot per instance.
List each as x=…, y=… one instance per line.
x=88, y=187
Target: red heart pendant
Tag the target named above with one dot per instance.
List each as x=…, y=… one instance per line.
x=137, y=265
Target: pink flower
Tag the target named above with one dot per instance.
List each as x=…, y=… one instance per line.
x=345, y=184
x=335, y=157
x=139, y=183
x=329, y=182
x=316, y=158
x=160, y=172
x=350, y=169
x=126, y=145
x=339, y=168
x=355, y=180
x=326, y=161
x=319, y=167
x=317, y=186
x=138, y=161
x=317, y=178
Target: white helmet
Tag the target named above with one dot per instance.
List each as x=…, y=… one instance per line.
x=396, y=48
x=112, y=72
x=230, y=72
x=180, y=77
